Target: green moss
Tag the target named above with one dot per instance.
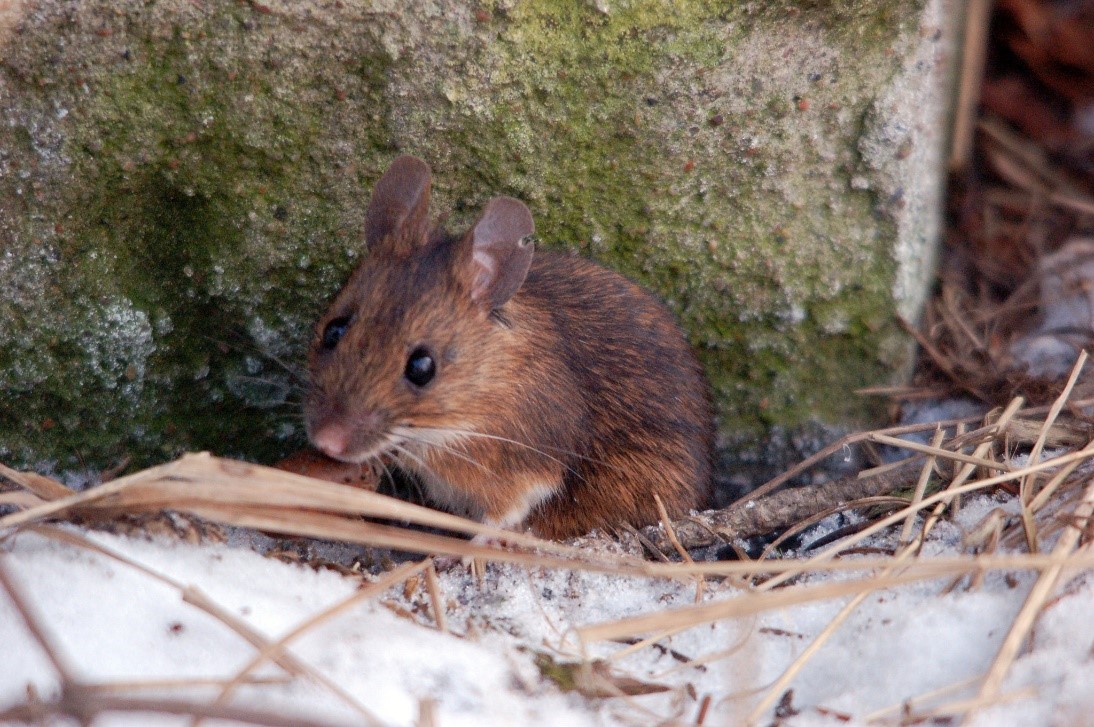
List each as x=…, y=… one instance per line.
x=713, y=235
x=217, y=160
x=202, y=185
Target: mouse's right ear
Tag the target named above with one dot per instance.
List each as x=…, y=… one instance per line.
x=398, y=213
x=500, y=251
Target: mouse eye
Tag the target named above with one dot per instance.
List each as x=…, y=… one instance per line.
x=420, y=367
x=334, y=331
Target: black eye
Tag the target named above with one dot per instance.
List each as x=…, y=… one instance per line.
x=420, y=367
x=334, y=331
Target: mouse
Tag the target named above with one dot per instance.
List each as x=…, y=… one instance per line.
x=525, y=388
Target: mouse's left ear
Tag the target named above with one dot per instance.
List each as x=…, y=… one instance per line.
x=500, y=252
x=398, y=213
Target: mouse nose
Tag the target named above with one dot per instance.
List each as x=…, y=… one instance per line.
x=332, y=439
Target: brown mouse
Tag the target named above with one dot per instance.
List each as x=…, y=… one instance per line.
x=524, y=390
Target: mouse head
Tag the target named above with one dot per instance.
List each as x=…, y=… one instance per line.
x=404, y=352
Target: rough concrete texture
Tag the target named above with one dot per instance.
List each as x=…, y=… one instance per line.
x=182, y=186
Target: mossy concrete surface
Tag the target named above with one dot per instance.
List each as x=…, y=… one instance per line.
x=182, y=187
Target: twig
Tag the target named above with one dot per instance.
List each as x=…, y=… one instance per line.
x=810, y=522
x=851, y=439
x=777, y=511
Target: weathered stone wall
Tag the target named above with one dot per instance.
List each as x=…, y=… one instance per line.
x=182, y=186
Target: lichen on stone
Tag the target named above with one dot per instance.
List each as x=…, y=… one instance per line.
x=187, y=182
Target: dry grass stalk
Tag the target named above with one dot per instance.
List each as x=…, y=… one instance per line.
x=745, y=605
x=921, y=486
x=666, y=523
x=84, y=706
x=20, y=499
x=1037, y=597
x=1046, y=492
x=45, y=488
x=973, y=54
x=926, y=568
x=938, y=452
x=1026, y=488
x=967, y=706
x=908, y=549
x=236, y=493
x=30, y=621
x=159, y=685
x=907, y=705
x=273, y=649
x=196, y=598
x=239, y=493
x=436, y=597
x=427, y=713
x=84, y=702
x=351, y=529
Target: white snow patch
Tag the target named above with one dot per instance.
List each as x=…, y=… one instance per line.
x=112, y=622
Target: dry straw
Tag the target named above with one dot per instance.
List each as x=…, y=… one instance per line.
x=241, y=494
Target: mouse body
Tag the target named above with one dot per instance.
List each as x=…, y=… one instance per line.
x=525, y=389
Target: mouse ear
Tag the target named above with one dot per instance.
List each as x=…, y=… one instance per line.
x=398, y=214
x=500, y=254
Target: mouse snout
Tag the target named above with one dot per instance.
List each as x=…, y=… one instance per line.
x=346, y=437
x=332, y=439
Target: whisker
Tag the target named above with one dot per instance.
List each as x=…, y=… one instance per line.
x=410, y=480
x=296, y=373
x=272, y=383
x=380, y=461
x=472, y=433
x=421, y=463
x=376, y=462
x=444, y=448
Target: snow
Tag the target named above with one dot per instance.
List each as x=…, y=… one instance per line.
x=112, y=622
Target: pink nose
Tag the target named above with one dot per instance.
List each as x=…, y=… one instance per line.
x=332, y=439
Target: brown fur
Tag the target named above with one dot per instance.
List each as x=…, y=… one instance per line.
x=585, y=372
